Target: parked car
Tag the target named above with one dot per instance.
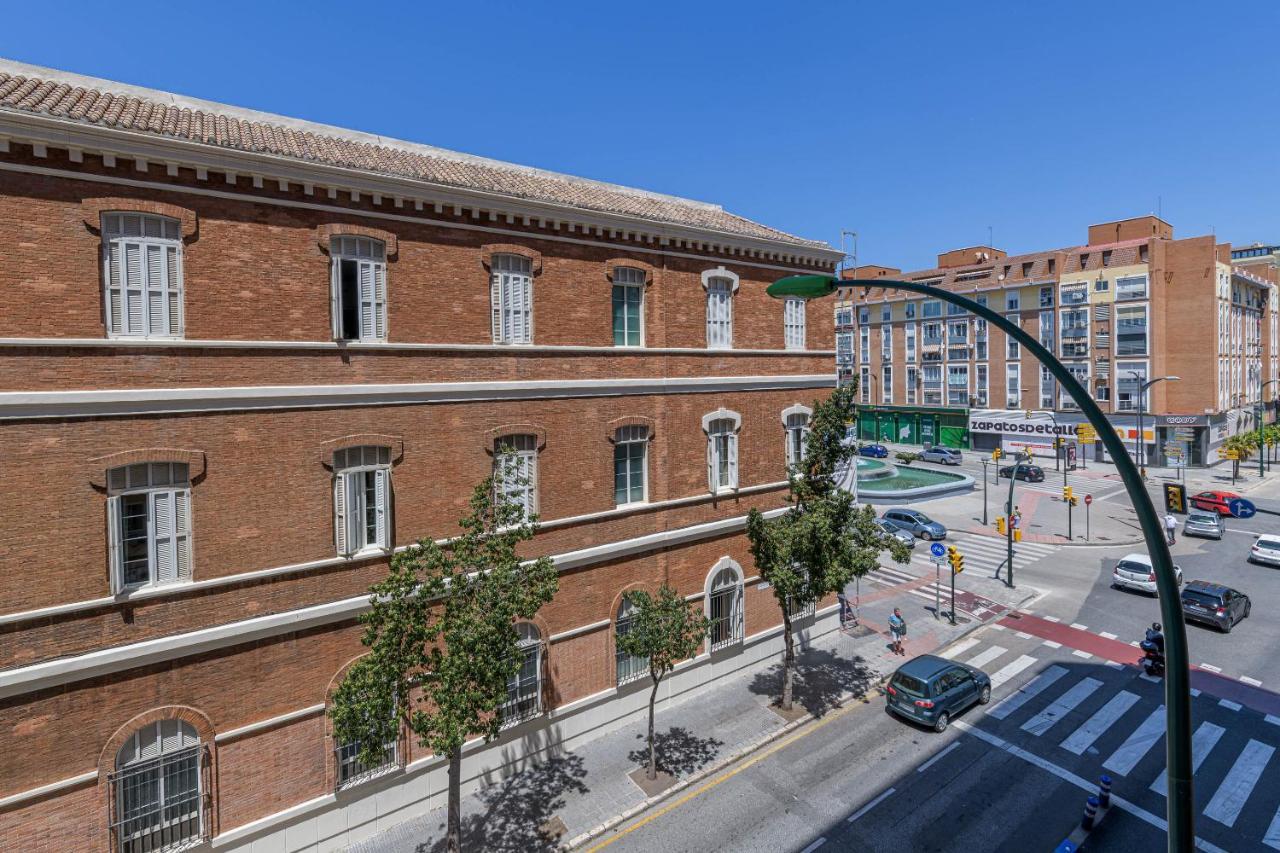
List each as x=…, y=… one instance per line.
x=1213, y=501
x=943, y=455
x=1203, y=523
x=876, y=451
x=915, y=522
x=1029, y=473
x=1214, y=604
x=896, y=532
x=1266, y=549
x=931, y=690
x=1134, y=571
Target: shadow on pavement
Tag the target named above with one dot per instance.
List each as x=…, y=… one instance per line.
x=821, y=679
x=680, y=752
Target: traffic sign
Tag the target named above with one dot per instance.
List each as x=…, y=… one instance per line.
x=1228, y=454
x=1241, y=508
x=937, y=550
x=1088, y=499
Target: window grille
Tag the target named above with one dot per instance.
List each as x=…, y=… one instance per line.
x=157, y=790
x=524, y=689
x=353, y=771
x=629, y=667
x=725, y=607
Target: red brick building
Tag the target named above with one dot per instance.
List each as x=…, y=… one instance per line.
x=246, y=357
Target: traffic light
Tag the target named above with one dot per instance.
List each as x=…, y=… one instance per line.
x=1067, y=497
x=1000, y=524
x=956, y=559
x=1175, y=497
x=996, y=454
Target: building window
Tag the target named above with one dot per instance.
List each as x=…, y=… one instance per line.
x=932, y=308
x=1053, y=266
x=1013, y=386
x=886, y=313
x=361, y=499
x=795, y=421
x=864, y=316
x=149, y=524
x=980, y=385
x=353, y=771
x=1131, y=287
x=886, y=385
x=957, y=384
x=524, y=689
x=156, y=791
x=909, y=310
x=1012, y=351
x=886, y=343
x=719, y=312
x=1128, y=386
x=913, y=378
x=909, y=330
x=722, y=451
x=358, y=288
x=628, y=667
x=864, y=385
x=1011, y=300
x=628, y=307
x=1046, y=297
x=511, y=299
x=1101, y=285
x=1131, y=330
x=932, y=385
x=1106, y=257
x=1027, y=267
x=864, y=344
x=142, y=272
x=517, y=473
x=630, y=454
x=793, y=323
x=724, y=607
x=1047, y=385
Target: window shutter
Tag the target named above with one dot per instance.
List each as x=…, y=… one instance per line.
x=531, y=491
x=113, y=309
x=526, y=300
x=711, y=316
x=733, y=460
x=381, y=491
x=495, y=305
x=367, y=306
x=182, y=532
x=711, y=462
x=380, y=301
x=177, y=318
x=114, y=545
x=165, y=564
x=340, y=514
x=157, y=297
x=335, y=297
x=133, y=289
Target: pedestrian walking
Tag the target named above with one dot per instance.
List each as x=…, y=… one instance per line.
x=846, y=611
x=1170, y=527
x=1015, y=520
x=898, y=629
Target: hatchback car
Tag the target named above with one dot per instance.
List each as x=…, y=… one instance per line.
x=915, y=522
x=1134, y=571
x=1213, y=501
x=1202, y=523
x=944, y=455
x=896, y=532
x=1029, y=473
x=876, y=451
x=1266, y=549
x=931, y=690
x=1214, y=604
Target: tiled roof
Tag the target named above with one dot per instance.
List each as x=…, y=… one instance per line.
x=106, y=104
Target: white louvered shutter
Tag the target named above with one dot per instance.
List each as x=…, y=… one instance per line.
x=164, y=544
x=182, y=532
x=335, y=297
x=381, y=491
x=531, y=490
x=157, y=294
x=114, y=545
x=134, y=317
x=114, y=307
x=149, y=742
x=495, y=305
x=526, y=306
x=341, y=540
x=380, y=301
x=711, y=462
x=732, y=445
x=368, y=305
x=177, y=315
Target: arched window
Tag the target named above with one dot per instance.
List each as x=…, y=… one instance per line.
x=142, y=272
x=353, y=771
x=524, y=689
x=721, y=427
x=795, y=421
x=629, y=667
x=156, y=789
x=724, y=606
x=511, y=299
x=361, y=499
x=358, y=288
x=149, y=524
x=719, y=312
x=518, y=473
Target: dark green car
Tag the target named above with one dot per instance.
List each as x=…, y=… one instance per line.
x=931, y=690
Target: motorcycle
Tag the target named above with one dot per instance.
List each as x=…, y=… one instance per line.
x=1152, y=647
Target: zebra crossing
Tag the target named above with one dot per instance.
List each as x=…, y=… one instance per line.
x=1090, y=719
x=987, y=553
x=1052, y=485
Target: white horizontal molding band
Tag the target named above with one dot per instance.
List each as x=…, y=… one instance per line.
x=174, y=590
x=20, y=680
x=152, y=401
x=52, y=788
x=394, y=346
x=269, y=723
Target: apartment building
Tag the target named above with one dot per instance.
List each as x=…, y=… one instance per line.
x=1130, y=304
x=247, y=358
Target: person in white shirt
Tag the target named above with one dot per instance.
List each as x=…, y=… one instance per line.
x=1170, y=526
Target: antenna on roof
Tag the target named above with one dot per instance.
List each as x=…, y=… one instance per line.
x=850, y=260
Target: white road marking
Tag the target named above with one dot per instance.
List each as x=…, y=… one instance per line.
x=1052, y=619
x=1234, y=791
x=1060, y=707
x=1133, y=643
x=1229, y=705
x=1009, y=670
x=1150, y=678
x=955, y=744
x=1081, y=653
x=981, y=660
x=1210, y=667
x=1094, y=727
x=1051, y=644
x=959, y=648
x=1107, y=634
x=1272, y=838
x=1195, y=691
x=1137, y=745
x=871, y=805
x=1079, y=627
x=1113, y=664
x=1252, y=682
x=1272, y=719
x=998, y=626
x=1023, y=634
x=814, y=846
x=1204, y=740
x=1027, y=692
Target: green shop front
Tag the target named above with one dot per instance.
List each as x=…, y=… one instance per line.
x=921, y=425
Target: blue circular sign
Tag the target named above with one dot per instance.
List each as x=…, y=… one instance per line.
x=937, y=550
x=1241, y=508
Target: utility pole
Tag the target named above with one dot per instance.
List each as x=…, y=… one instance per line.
x=984, y=493
x=1008, y=514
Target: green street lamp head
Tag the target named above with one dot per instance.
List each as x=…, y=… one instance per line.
x=803, y=287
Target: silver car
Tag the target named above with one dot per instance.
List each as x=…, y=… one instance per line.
x=944, y=455
x=901, y=535
x=1207, y=524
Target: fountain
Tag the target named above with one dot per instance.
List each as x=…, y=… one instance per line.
x=880, y=481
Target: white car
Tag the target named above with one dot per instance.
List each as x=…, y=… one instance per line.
x=1266, y=549
x=1134, y=571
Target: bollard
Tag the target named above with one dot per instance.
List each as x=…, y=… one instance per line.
x=1090, y=812
x=1104, y=791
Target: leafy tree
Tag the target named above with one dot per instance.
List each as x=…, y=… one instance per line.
x=666, y=630
x=824, y=539
x=442, y=638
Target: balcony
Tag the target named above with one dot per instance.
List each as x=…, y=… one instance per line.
x=1125, y=346
x=932, y=340
x=1075, y=350
x=1075, y=332
x=957, y=354
x=931, y=355
x=932, y=384
x=1075, y=297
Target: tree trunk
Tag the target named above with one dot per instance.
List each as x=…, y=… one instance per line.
x=788, y=661
x=455, y=801
x=653, y=754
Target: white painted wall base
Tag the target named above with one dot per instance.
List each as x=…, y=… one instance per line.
x=334, y=821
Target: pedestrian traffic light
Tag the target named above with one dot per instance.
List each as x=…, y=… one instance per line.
x=1175, y=497
x=1000, y=524
x=1017, y=535
x=956, y=559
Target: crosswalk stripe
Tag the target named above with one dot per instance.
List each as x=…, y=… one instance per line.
x=1010, y=670
x=960, y=648
x=1027, y=692
x=1234, y=791
x=1060, y=707
x=1204, y=740
x=981, y=660
x=1137, y=744
x=1094, y=727
x=1272, y=838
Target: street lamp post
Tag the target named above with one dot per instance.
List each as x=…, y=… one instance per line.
x=1139, y=445
x=1177, y=684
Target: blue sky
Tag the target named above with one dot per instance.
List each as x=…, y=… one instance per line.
x=919, y=125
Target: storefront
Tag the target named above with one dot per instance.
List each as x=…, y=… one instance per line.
x=1161, y=434
x=1188, y=435
x=920, y=425
x=1008, y=431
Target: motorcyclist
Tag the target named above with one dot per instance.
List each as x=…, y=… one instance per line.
x=1155, y=636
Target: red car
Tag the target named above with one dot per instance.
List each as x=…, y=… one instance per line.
x=1213, y=501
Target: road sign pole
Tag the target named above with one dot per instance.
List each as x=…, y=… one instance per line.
x=937, y=591
x=1069, y=505
x=984, y=493
x=953, y=595
x=1088, y=500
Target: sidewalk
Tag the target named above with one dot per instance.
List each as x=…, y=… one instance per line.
x=578, y=794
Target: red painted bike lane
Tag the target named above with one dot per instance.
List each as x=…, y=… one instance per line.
x=1263, y=701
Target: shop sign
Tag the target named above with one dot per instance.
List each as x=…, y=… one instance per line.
x=1021, y=427
x=1182, y=420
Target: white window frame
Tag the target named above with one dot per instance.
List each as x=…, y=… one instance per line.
x=1011, y=388
x=795, y=424
x=886, y=384
x=524, y=691
x=626, y=440
x=629, y=284
x=864, y=384
x=722, y=427
x=511, y=299
x=723, y=595
x=164, y=490
x=518, y=480
x=1122, y=307
x=957, y=370
x=627, y=668
x=153, y=761
x=366, y=258
x=886, y=343
x=1012, y=349
x=793, y=324
x=1012, y=300
x=720, y=285
x=357, y=471
x=142, y=276
x=913, y=377
x=910, y=334
x=981, y=385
